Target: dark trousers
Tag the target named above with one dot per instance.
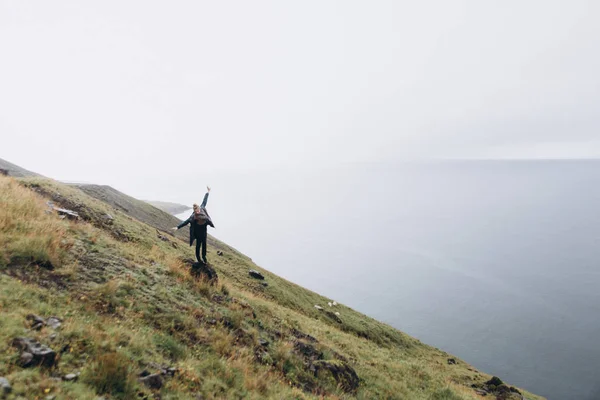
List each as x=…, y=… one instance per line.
x=201, y=242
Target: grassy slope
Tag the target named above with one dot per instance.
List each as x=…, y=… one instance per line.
x=135, y=208
x=128, y=300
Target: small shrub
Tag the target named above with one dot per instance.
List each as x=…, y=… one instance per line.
x=169, y=346
x=224, y=290
x=111, y=374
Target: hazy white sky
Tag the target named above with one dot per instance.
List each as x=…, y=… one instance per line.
x=149, y=88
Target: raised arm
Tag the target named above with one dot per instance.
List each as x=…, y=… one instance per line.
x=205, y=198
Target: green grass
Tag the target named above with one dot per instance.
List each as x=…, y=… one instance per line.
x=129, y=303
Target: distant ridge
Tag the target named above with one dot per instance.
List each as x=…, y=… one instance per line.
x=166, y=206
x=15, y=170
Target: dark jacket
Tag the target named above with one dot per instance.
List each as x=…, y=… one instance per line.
x=197, y=230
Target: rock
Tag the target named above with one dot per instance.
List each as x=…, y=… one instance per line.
x=263, y=342
x=70, y=377
x=171, y=371
x=201, y=269
x=53, y=337
x=54, y=322
x=63, y=212
x=494, y=381
x=5, y=385
x=301, y=335
x=219, y=253
x=318, y=307
x=37, y=327
x=329, y=304
x=144, y=373
x=174, y=245
x=308, y=351
x=26, y=359
x=337, y=313
x=40, y=354
x=334, y=303
x=35, y=320
x=481, y=392
x=255, y=274
x=153, y=381
x=333, y=316
x=451, y=361
x=163, y=238
x=343, y=374
x=265, y=284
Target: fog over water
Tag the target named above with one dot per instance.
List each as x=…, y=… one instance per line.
x=495, y=262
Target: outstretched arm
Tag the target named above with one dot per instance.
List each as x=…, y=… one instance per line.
x=205, y=197
x=184, y=223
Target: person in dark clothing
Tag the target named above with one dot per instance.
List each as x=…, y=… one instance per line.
x=199, y=222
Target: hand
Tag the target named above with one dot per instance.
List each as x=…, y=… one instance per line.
x=208, y=188
x=174, y=228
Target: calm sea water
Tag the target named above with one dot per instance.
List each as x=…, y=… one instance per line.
x=495, y=262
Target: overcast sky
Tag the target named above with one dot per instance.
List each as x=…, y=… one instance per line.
x=115, y=91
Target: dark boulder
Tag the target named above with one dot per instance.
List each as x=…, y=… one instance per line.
x=307, y=351
x=495, y=381
x=344, y=374
x=219, y=253
x=451, y=361
x=26, y=359
x=153, y=381
x=37, y=322
x=255, y=274
x=333, y=316
x=514, y=390
x=201, y=270
x=301, y=335
x=40, y=354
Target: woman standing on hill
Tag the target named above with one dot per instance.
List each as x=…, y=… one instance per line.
x=199, y=221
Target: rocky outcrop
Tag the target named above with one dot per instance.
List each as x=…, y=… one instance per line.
x=342, y=373
x=201, y=270
x=38, y=322
x=497, y=388
x=255, y=274
x=153, y=381
x=333, y=316
x=33, y=353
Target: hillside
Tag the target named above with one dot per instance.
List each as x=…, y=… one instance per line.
x=135, y=323
x=15, y=170
x=138, y=209
x=166, y=206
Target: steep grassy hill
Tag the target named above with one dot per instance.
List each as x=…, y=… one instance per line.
x=166, y=206
x=135, y=323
